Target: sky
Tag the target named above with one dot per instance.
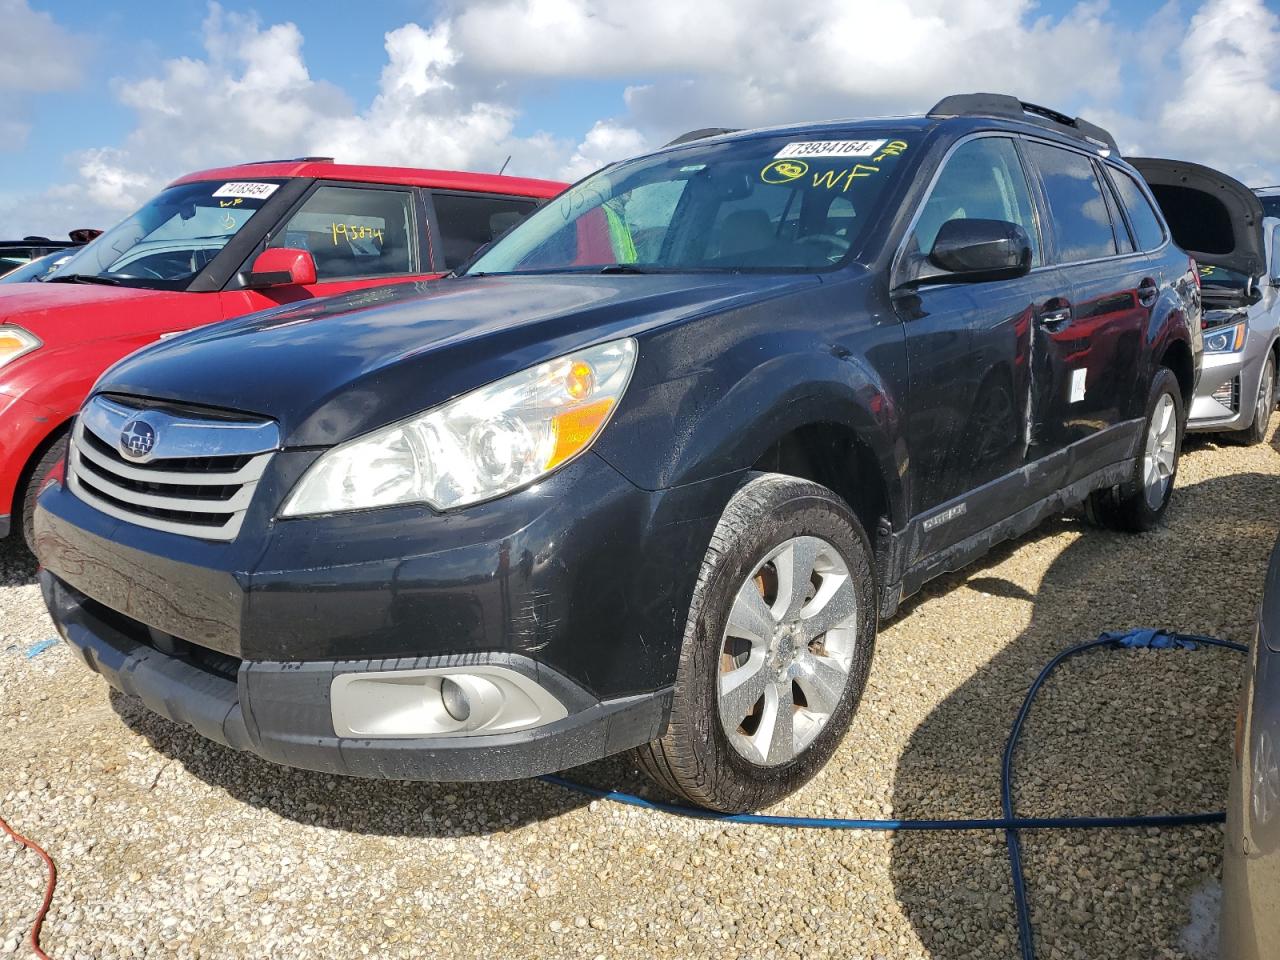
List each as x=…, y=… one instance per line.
x=104, y=103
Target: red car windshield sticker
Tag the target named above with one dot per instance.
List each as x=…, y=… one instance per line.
x=246, y=188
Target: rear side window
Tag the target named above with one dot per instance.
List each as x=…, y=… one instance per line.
x=1079, y=221
x=354, y=232
x=1146, y=224
x=983, y=180
x=467, y=223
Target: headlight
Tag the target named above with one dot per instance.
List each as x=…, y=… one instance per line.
x=15, y=342
x=1225, y=339
x=478, y=446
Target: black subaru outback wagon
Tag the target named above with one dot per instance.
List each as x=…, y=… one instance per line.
x=646, y=473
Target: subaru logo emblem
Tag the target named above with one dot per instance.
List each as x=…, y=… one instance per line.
x=137, y=439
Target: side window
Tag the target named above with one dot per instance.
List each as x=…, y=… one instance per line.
x=983, y=180
x=468, y=222
x=1146, y=224
x=1124, y=243
x=1080, y=223
x=354, y=232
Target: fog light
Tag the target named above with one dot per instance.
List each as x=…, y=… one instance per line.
x=455, y=700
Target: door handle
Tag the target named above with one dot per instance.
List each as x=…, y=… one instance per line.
x=1056, y=313
x=1147, y=292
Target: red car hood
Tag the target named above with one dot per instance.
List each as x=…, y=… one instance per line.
x=59, y=312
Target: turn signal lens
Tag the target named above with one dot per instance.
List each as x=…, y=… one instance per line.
x=15, y=342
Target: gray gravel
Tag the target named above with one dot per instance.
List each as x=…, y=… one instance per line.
x=170, y=846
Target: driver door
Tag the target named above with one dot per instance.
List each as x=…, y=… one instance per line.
x=969, y=354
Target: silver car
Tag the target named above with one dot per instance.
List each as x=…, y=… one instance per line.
x=1224, y=225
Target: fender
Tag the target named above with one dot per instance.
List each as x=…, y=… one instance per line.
x=704, y=419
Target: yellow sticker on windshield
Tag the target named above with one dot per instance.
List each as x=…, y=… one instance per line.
x=833, y=178
x=893, y=148
x=783, y=171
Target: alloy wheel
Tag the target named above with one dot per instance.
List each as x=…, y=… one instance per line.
x=787, y=650
x=1161, y=451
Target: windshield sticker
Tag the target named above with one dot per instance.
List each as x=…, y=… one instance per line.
x=784, y=171
x=245, y=188
x=830, y=148
x=231, y=203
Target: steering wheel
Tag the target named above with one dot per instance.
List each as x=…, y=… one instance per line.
x=836, y=246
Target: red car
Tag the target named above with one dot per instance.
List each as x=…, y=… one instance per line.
x=215, y=245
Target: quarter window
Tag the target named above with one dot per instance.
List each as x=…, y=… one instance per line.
x=467, y=223
x=1146, y=224
x=983, y=180
x=1079, y=220
x=354, y=232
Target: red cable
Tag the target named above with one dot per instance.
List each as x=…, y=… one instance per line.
x=48, y=890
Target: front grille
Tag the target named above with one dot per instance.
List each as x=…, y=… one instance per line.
x=197, y=477
x=1229, y=394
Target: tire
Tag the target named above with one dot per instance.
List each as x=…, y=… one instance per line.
x=1134, y=506
x=1265, y=402
x=734, y=767
x=34, y=483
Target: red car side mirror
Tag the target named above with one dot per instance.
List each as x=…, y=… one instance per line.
x=281, y=267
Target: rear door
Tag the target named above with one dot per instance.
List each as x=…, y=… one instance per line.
x=969, y=352
x=360, y=235
x=462, y=223
x=1088, y=360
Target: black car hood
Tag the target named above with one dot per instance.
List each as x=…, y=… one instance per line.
x=333, y=369
x=1214, y=217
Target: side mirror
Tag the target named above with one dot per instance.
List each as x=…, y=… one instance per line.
x=281, y=267
x=972, y=251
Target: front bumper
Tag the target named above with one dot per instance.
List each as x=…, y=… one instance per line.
x=582, y=582
x=1219, y=370
x=282, y=711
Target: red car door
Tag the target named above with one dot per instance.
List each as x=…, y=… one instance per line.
x=360, y=235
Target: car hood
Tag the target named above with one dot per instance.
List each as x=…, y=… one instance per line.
x=58, y=312
x=332, y=369
x=1214, y=217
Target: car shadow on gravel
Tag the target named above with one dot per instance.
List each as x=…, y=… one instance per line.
x=17, y=565
x=393, y=808
x=1111, y=733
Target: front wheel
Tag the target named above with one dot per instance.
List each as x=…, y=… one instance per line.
x=776, y=651
x=1139, y=503
x=39, y=477
x=1266, y=402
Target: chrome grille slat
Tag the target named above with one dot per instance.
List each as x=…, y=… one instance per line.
x=184, y=496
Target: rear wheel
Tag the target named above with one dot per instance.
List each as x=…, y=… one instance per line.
x=35, y=481
x=776, y=651
x=1266, y=402
x=1139, y=503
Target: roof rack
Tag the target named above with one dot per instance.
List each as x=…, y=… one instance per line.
x=701, y=134
x=1011, y=108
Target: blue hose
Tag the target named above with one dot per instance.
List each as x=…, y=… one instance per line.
x=1145, y=639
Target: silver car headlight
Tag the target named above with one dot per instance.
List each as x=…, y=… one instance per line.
x=1229, y=339
x=478, y=446
x=15, y=342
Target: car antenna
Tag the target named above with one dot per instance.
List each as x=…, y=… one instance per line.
x=504, y=164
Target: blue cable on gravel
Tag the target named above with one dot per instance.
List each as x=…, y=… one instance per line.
x=1138, y=639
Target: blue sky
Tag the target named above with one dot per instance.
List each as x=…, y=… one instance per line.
x=112, y=99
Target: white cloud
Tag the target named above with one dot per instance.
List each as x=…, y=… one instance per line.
x=36, y=56
x=450, y=90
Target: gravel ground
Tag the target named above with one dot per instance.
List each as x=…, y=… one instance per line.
x=170, y=846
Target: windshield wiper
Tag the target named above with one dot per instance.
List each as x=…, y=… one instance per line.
x=84, y=278
x=623, y=268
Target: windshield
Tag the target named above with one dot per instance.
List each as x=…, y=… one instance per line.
x=1271, y=205
x=1222, y=277
x=36, y=269
x=777, y=203
x=173, y=237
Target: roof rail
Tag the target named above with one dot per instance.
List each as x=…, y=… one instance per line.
x=1011, y=108
x=701, y=134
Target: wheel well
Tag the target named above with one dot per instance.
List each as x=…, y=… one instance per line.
x=56, y=434
x=834, y=456
x=1177, y=357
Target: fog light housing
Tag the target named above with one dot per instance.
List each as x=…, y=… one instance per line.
x=439, y=702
